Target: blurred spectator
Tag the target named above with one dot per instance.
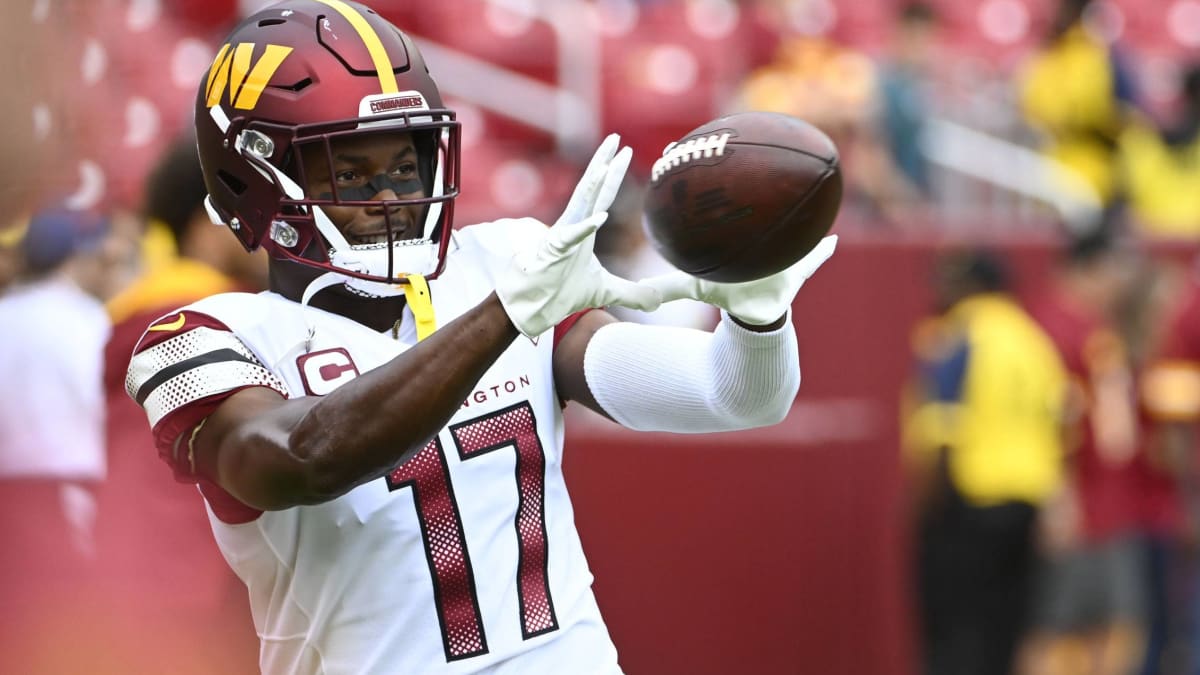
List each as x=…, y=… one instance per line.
x=834, y=88
x=1091, y=602
x=1144, y=317
x=186, y=254
x=158, y=561
x=985, y=449
x=1162, y=168
x=1076, y=91
x=904, y=91
x=1171, y=395
x=52, y=432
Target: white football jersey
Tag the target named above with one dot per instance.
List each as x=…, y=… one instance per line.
x=464, y=559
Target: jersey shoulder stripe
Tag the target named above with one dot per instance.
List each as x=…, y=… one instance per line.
x=193, y=364
x=213, y=357
x=186, y=364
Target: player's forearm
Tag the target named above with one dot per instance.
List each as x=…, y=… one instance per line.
x=368, y=426
x=654, y=378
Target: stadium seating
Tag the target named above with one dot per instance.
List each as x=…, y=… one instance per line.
x=663, y=67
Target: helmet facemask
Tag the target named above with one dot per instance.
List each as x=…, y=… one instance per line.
x=409, y=212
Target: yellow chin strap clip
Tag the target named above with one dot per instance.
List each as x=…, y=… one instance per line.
x=417, y=293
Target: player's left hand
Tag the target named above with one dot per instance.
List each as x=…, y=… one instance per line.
x=759, y=303
x=560, y=274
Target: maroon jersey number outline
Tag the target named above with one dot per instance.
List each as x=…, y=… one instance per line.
x=463, y=634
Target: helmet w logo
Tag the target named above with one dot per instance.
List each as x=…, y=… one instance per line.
x=245, y=80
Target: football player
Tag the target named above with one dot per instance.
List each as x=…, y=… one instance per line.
x=379, y=437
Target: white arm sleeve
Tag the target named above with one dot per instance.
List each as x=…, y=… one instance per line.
x=660, y=378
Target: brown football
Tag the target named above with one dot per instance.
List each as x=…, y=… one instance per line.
x=743, y=196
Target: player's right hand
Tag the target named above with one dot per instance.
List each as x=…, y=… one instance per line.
x=560, y=275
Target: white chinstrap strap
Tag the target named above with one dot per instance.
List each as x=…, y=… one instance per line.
x=407, y=257
x=662, y=378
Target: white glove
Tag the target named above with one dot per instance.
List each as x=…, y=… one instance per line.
x=560, y=275
x=758, y=303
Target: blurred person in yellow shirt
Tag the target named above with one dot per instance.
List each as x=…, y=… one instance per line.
x=1076, y=91
x=1162, y=168
x=984, y=447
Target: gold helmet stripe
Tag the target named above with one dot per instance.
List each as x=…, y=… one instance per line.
x=379, y=56
x=218, y=76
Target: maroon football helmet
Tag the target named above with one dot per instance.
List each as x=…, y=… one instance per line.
x=295, y=78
